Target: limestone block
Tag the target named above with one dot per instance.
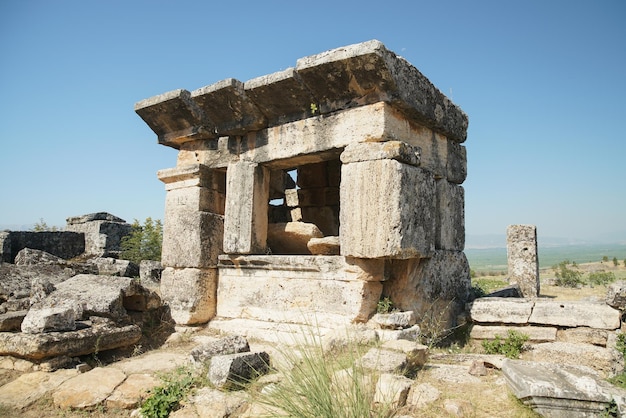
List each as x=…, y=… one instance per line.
x=190, y=294
x=384, y=361
x=81, y=392
x=150, y=272
x=213, y=403
x=367, y=72
x=392, y=389
x=388, y=210
x=348, y=336
x=245, y=219
x=535, y=334
x=227, y=370
x=318, y=196
x=291, y=237
x=229, y=108
x=281, y=96
x=191, y=238
x=70, y=343
x=616, y=295
x=456, y=162
x=49, y=319
x=395, y=320
x=193, y=175
x=561, y=390
x=409, y=334
x=324, y=246
x=435, y=288
x=584, y=335
x=175, y=118
x=608, y=362
x=575, y=314
x=422, y=395
x=195, y=199
x=417, y=354
x=501, y=310
x=231, y=344
x=109, y=266
x=390, y=150
x=450, y=222
x=295, y=289
x=522, y=258
x=314, y=175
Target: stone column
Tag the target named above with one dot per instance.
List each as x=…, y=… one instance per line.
x=247, y=199
x=522, y=259
x=192, y=241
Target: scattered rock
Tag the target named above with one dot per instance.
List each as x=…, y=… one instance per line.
x=395, y=320
x=226, y=371
x=416, y=354
x=616, y=295
x=422, y=395
x=392, y=389
x=232, y=344
x=12, y=321
x=109, y=266
x=478, y=368
x=49, y=319
x=385, y=361
x=291, y=237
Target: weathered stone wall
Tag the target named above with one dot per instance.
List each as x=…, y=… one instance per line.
x=60, y=243
x=103, y=233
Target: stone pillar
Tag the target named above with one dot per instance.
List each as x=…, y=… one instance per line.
x=522, y=259
x=450, y=222
x=192, y=241
x=387, y=203
x=247, y=198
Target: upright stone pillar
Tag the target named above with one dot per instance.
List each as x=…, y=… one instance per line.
x=247, y=198
x=192, y=241
x=522, y=259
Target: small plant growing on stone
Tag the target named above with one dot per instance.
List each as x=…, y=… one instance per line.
x=385, y=305
x=511, y=346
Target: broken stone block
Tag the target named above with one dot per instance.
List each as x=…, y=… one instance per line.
x=395, y=320
x=575, y=314
x=606, y=361
x=49, y=319
x=417, y=354
x=102, y=231
x=410, y=334
x=392, y=390
x=98, y=337
x=422, y=395
x=324, y=246
x=584, y=335
x=245, y=219
x=522, y=258
x=229, y=370
x=190, y=294
x=291, y=237
x=501, y=310
x=109, y=266
x=616, y=295
x=232, y=344
x=388, y=210
x=132, y=391
x=150, y=273
x=561, y=390
x=384, y=361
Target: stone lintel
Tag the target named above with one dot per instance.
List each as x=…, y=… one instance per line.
x=228, y=106
x=193, y=175
x=333, y=267
x=391, y=150
x=175, y=118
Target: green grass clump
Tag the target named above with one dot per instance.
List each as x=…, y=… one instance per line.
x=510, y=347
x=601, y=278
x=166, y=398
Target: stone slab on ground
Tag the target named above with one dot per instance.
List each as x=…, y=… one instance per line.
x=88, y=389
x=156, y=361
x=535, y=334
x=501, y=310
x=30, y=387
x=561, y=391
x=228, y=370
x=385, y=361
x=606, y=361
x=575, y=314
x=132, y=391
x=392, y=389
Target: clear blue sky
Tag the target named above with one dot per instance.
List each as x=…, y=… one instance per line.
x=543, y=83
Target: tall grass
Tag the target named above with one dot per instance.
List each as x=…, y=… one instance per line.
x=318, y=384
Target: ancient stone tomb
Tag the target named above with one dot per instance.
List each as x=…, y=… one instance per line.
x=308, y=194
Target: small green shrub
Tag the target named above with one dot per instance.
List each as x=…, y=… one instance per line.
x=600, y=278
x=510, y=347
x=567, y=277
x=166, y=398
x=385, y=305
